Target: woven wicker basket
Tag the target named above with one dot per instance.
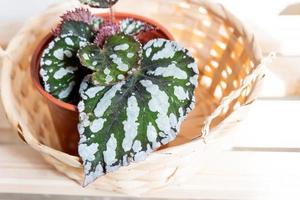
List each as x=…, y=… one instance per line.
x=230, y=65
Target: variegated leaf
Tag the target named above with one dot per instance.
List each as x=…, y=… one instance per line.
x=99, y=3
x=120, y=55
x=97, y=23
x=126, y=121
x=106, y=30
x=79, y=22
x=60, y=66
x=132, y=27
x=80, y=29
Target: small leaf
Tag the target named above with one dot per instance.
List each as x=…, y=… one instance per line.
x=126, y=121
x=60, y=66
x=79, y=22
x=131, y=26
x=80, y=15
x=106, y=30
x=120, y=54
x=99, y=3
x=97, y=23
x=77, y=29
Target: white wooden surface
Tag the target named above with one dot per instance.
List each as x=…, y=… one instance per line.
x=264, y=161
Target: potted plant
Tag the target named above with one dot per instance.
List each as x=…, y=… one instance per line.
x=117, y=84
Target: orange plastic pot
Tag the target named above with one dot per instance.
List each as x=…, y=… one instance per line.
x=65, y=116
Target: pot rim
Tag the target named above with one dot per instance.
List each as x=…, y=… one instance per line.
x=35, y=62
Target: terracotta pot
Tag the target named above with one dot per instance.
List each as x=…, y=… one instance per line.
x=65, y=116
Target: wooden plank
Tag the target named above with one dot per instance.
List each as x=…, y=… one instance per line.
x=283, y=77
x=262, y=8
x=278, y=34
x=264, y=160
x=266, y=125
x=23, y=170
x=274, y=27
x=270, y=124
x=227, y=175
x=292, y=9
x=240, y=175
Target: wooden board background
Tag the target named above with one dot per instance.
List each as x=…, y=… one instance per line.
x=263, y=161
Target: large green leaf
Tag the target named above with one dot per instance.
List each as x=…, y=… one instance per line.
x=99, y=3
x=120, y=55
x=126, y=121
x=60, y=66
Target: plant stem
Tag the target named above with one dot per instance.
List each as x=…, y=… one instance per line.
x=112, y=14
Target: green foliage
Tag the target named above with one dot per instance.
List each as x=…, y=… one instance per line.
x=120, y=54
x=60, y=66
x=79, y=22
x=124, y=122
x=131, y=26
x=80, y=29
x=133, y=99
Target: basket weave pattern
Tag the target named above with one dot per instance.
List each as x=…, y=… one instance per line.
x=230, y=66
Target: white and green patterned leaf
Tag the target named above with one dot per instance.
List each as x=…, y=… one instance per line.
x=97, y=23
x=76, y=28
x=131, y=26
x=119, y=55
x=99, y=3
x=60, y=66
x=126, y=121
x=80, y=22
